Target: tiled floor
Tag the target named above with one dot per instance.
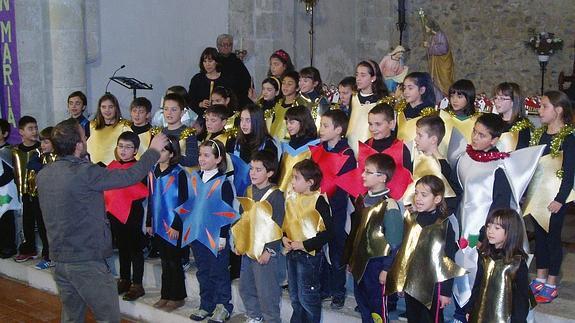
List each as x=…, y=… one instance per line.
x=20, y=303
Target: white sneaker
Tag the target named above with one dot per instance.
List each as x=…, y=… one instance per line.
x=255, y=320
x=220, y=314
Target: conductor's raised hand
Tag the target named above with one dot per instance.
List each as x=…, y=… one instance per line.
x=159, y=142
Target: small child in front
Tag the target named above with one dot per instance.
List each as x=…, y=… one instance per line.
x=303, y=242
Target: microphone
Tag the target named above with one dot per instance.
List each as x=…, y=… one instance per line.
x=109, y=80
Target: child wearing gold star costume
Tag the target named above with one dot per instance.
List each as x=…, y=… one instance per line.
x=257, y=237
x=307, y=228
x=424, y=266
x=551, y=190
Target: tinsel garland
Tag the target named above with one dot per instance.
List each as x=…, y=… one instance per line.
x=556, y=141
x=521, y=124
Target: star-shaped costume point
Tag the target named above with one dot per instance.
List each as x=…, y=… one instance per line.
x=352, y=181
x=255, y=228
x=205, y=213
x=290, y=157
x=119, y=201
x=164, y=195
x=367, y=239
x=421, y=261
x=330, y=165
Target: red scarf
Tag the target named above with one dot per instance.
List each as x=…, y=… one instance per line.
x=485, y=156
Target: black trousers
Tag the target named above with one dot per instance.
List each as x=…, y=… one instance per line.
x=32, y=217
x=130, y=241
x=173, y=280
x=418, y=313
x=548, y=248
x=7, y=233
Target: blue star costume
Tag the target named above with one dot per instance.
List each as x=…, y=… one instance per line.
x=241, y=174
x=164, y=197
x=205, y=213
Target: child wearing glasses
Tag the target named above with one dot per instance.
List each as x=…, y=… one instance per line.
x=509, y=104
x=376, y=235
x=125, y=208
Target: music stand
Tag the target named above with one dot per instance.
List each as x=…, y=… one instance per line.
x=131, y=83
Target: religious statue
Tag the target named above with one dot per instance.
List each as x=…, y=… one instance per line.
x=438, y=55
x=393, y=68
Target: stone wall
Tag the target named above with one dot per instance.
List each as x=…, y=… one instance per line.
x=486, y=37
x=345, y=32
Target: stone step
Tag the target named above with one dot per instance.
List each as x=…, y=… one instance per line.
x=143, y=310
x=562, y=310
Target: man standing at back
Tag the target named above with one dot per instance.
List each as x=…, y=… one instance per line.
x=234, y=68
x=72, y=200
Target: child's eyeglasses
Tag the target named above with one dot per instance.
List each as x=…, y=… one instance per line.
x=366, y=172
x=125, y=147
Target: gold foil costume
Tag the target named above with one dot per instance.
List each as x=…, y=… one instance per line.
x=358, y=128
x=24, y=178
x=425, y=165
x=367, y=238
x=493, y=304
x=465, y=127
x=145, y=139
x=102, y=142
x=421, y=261
x=543, y=189
x=302, y=221
x=256, y=227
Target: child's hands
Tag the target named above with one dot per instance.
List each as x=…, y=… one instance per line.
x=444, y=301
x=222, y=244
x=264, y=258
x=150, y=231
x=554, y=207
x=287, y=243
x=297, y=245
x=382, y=277
x=173, y=234
x=204, y=104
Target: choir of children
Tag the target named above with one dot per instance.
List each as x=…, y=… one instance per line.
x=388, y=209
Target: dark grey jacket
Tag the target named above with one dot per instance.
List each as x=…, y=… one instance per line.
x=71, y=193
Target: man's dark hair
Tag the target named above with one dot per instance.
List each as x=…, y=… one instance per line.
x=493, y=122
x=434, y=126
x=141, y=102
x=131, y=137
x=24, y=120
x=309, y=170
x=65, y=136
x=5, y=126
x=268, y=159
x=338, y=118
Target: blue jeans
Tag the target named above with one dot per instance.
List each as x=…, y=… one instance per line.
x=304, y=286
x=87, y=284
x=213, y=276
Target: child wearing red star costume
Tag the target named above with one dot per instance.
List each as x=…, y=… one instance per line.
x=335, y=157
x=126, y=213
x=381, y=119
